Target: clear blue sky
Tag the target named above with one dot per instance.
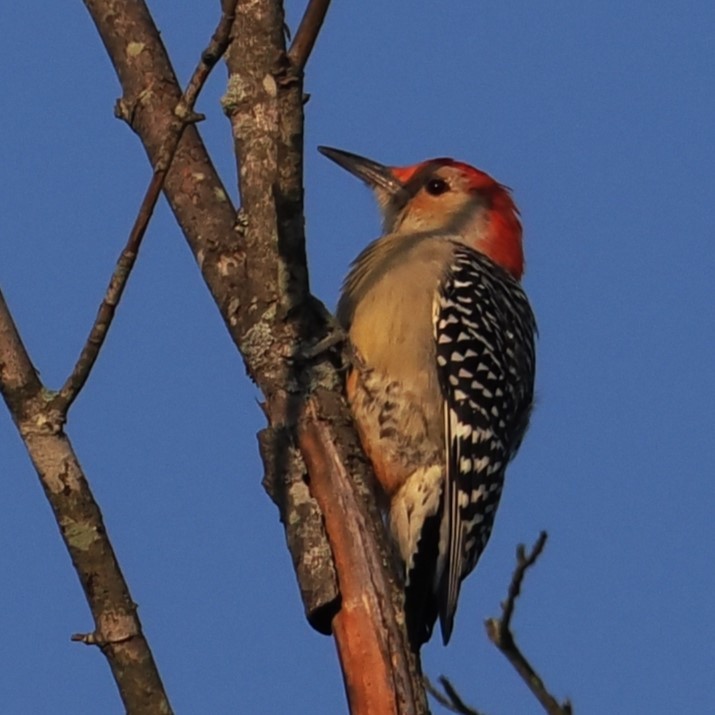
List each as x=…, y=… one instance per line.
x=601, y=118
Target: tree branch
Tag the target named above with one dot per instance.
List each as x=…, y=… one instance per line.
x=264, y=102
x=118, y=631
x=450, y=698
x=500, y=633
x=151, y=93
x=380, y=674
x=285, y=481
x=40, y=418
x=307, y=33
x=185, y=115
x=254, y=264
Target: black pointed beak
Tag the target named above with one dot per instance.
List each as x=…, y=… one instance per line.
x=376, y=176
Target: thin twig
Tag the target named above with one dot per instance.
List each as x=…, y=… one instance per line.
x=523, y=562
x=185, y=115
x=450, y=699
x=219, y=43
x=77, y=379
x=499, y=631
x=307, y=33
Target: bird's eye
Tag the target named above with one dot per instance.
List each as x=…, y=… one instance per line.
x=435, y=187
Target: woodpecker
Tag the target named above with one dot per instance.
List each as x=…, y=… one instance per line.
x=442, y=384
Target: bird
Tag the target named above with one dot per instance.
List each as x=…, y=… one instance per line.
x=441, y=386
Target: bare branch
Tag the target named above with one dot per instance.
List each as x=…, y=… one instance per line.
x=202, y=206
x=80, y=373
x=40, y=417
x=19, y=380
x=286, y=483
x=264, y=102
x=500, y=633
x=118, y=631
x=523, y=562
x=307, y=33
x=450, y=699
x=185, y=116
x=370, y=643
x=219, y=43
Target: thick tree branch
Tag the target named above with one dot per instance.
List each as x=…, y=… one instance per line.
x=118, y=630
x=500, y=633
x=380, y=677
x=286, y=484
x=254, y=264
x=264, y=102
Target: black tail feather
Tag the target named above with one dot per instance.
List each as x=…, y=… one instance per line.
x=421, y=596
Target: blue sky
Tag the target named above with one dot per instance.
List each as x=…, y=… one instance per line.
x=600, y=117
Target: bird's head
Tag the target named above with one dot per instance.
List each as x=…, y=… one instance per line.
x=444, y=196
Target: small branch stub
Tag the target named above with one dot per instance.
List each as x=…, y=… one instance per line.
x=285, y=482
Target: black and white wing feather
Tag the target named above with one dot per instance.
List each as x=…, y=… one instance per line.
x=484, y=333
